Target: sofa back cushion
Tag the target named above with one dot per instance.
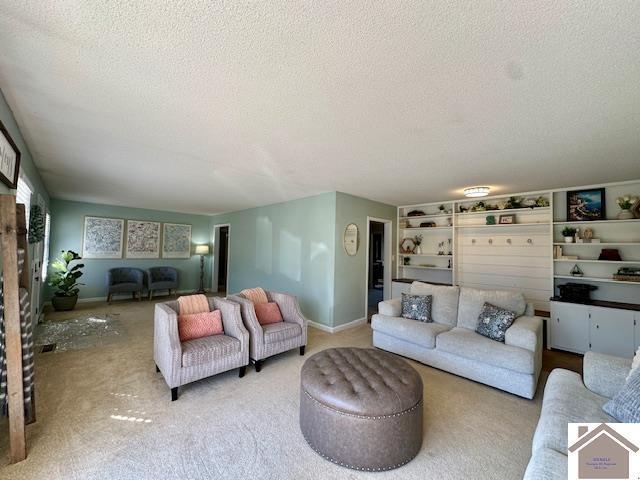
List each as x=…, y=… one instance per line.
x=189, y=304
x=473, y=299
x=256, y=295
x=444, y=307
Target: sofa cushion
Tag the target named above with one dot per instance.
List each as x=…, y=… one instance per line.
x=546, y=464
x=193, y=304
x=566, y=400
x=472, y=300
x=444, y=308
x=469, y=344
x=419, y=333
x=281, y=331
x=625, y=406
x=494, y=321
x=417, y=307
x=256, y=295
x=208, y=349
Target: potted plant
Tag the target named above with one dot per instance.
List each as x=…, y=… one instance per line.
x=569, y=234
x=625, y=203
x=64, y=278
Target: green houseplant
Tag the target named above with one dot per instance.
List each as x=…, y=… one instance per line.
x=569, y=234
x=64, y=278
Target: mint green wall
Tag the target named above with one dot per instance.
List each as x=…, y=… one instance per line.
x=67, y=220
x=27, y=166
x=287, y=247
x=350, y=272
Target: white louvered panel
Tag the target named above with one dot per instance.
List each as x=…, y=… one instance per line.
x=504, y=250
x=507, y=270
x=516, y=261
x=505, y=280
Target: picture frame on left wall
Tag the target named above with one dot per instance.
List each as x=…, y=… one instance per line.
x=9, y=159
x=102, y=237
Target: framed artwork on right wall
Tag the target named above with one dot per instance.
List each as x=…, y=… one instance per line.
x=585, y=205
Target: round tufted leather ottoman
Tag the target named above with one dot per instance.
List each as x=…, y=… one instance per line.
x=361, y=408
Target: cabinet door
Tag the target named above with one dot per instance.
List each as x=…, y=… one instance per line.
x=569, y=327
x=637, y=323
x=612, y=331
x=398, y=288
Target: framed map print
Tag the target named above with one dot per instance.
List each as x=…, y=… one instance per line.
x=9, y=159
x=102, y=237
x=176, y=240
x=143, y=239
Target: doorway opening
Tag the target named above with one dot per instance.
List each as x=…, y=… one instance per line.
x=378, y=263
x=220, y=280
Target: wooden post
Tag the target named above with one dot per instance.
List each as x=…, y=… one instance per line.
x=13, y=340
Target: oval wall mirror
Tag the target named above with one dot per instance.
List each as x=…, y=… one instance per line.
x=351, y=240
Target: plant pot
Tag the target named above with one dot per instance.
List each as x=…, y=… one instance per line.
x=625, y=215
x=568, y=239
x=62, y=304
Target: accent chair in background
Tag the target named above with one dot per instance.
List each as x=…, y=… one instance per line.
x=161, y=278
x=125, y=280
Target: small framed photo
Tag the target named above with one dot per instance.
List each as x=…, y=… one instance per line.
x=585, y=205
x=507, y=219
x=9, y=159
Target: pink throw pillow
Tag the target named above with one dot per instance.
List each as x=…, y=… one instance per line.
x=268, y=313
x=198, y=325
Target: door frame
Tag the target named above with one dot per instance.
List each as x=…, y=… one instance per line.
x=216, y=254
x=386, y=260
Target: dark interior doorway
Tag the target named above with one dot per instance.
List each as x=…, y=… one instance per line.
x=223, y=259
x=376, y=265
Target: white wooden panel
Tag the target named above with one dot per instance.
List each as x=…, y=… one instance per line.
x=529, y=271
x=612, y=331
x=516, y=261
x=529, y=283
x=637, y=327
x=398, y=288
x=568, y=327
x=501, y=250
x=517, y=239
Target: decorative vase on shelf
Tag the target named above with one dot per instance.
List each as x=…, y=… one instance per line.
x=625, y=214
x=418, y=250
x=568, y=239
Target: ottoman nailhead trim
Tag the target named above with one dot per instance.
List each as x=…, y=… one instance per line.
x=355, y=467
x=366, y=417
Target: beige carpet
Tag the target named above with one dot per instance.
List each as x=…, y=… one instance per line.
x=103, y=413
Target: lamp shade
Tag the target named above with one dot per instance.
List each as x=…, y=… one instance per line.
x=202, y=249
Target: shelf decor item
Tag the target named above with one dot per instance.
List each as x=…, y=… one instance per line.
x=9, y=159
x=636, y=208
x=491, y=220
x=507, y=219
x=415, y=213
x=585, y=205
x=406, y=261
x=576, y=271
x=569, y=234
x=417, y=240
x=626, y=203
x=610, y=254
x=407, y=246
x=628, y=274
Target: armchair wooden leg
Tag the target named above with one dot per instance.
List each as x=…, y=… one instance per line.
x=302, y=350
x=140, y=296
x=157, y=369
x=258, y=365
x=174, y=394
x=241, y=371
x=150, y=294
x=109, y=297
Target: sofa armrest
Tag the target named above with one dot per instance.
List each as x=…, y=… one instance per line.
x=167, y=350
x=525, y=332
x=605, y=374
x=256, y=334
x=290, y=309
x=232, y=321
x=390, y=308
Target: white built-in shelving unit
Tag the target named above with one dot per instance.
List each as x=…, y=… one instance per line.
x=520, y=256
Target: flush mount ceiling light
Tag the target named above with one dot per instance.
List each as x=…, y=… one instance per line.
x=476, y=192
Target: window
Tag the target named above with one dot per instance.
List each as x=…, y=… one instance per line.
x=23, y=195
x=45, y=255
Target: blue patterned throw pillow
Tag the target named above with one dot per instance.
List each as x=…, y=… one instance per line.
x=494, y=321
x=625, y=406
x=417, y=307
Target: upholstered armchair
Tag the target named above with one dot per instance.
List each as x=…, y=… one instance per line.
x=185, y=362
x=161, y=278
x=125, y=280
x=268, y=340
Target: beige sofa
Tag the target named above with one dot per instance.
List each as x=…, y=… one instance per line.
x=450, y=343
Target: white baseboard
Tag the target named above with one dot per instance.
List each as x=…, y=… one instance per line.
x=104, y=299
x=339, y=328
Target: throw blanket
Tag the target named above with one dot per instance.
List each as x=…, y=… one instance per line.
x=256, y=295
x=26, y=329
x=191, y=304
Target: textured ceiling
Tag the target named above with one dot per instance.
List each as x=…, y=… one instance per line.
x=214, y=106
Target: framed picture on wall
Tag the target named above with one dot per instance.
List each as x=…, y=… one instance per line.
x=176, y=240
x=586, y=205
x=143, y=239
x=507, y=219
x=9, y=159
x=102, y=237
